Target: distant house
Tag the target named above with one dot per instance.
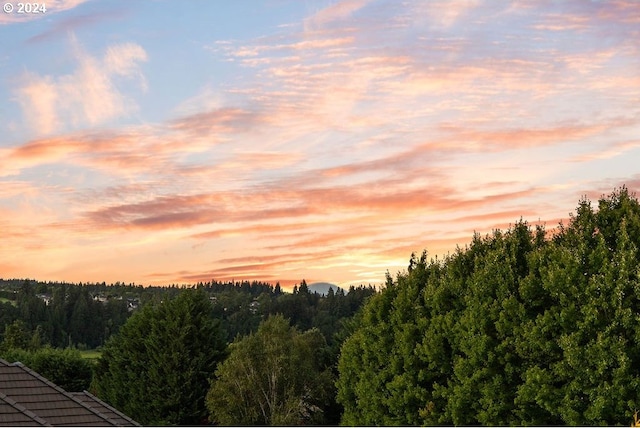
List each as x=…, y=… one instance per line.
x=254, y=306
x=47, y=299
x=28, y=399
x=132, y=304
x=100, y=298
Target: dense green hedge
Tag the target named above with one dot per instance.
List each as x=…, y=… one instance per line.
x=64, y=367
x=517, y=328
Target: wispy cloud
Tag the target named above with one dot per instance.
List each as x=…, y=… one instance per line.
x=444, y=14
x=338, y=11
x=217, y=122
x=612, y=151
x=70, y=24
x=87, y=97
x=340, y=144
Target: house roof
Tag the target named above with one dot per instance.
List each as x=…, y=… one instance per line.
x=13, y=414
x=26, y=398
x=113, y=414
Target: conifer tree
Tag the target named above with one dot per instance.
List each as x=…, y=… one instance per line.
x=157, y=368
x=515, y=329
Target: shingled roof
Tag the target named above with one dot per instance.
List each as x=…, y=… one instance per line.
x=14, y=415
x=113, y=414
x=28, y=399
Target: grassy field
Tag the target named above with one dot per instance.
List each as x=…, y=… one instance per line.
x=91, y=354
x=5, y=300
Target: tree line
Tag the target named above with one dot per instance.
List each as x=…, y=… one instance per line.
x=86, y=315
x=175, y=362
x=521, y=327
x=58, y=314
x=44, y=324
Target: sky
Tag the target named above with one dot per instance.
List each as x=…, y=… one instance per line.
x=172, y=142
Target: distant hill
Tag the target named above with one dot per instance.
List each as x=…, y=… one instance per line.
x=322, y=288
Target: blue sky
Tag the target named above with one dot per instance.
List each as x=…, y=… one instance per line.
x=172, y=142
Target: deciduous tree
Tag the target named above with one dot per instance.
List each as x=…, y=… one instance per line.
x=275, y=376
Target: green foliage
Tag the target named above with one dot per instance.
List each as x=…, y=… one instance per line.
x=91, y=355
x=84, y=316
x=513, y=330
x=62, y=315
x=157, y=368
x=16, y=336
x=66, y=368
x=276, y=376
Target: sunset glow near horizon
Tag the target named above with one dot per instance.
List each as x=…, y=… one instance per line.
x=172, y=142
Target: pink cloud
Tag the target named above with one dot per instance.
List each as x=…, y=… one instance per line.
x=218, y=121
x=88, y=96
x=116, y=153
x=336, y=12
x=12, y=188
x=509, y=216
x=273, y=268
x=563, y=22
x=247, y=53
x=613, y=150
x=523, y=137
x=38, y=97
x=345, y=148
x=63, y=27
x=444, y=14
x=264, y=202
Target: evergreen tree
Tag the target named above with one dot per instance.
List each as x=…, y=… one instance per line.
x=159, y=364
x=513, y=330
